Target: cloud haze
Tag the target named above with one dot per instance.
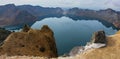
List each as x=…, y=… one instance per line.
x=90, y=4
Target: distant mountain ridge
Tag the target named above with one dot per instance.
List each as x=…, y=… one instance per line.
x=11, y=15
x=41, y=11
x=108, y=15
x=25, y=14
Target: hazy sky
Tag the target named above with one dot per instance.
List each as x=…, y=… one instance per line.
x=90, y=4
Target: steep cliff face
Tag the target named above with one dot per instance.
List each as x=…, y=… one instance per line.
x=108, y=15
x=30, y=43
x=3, y=35
x=11, y=15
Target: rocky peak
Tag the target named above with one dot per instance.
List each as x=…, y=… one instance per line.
x=99, y=37
x=45, y=28
x=26, y=28
x=110, y=10
x=10, y=5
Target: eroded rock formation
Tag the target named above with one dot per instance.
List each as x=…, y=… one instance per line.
x=30, y=43
x=99, y=37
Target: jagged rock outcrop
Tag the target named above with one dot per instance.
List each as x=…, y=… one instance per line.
x=30, y=43
x=3, y=35
x=99, y=37
x=26, y=28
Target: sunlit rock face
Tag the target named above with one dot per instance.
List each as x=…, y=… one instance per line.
x=30, y=42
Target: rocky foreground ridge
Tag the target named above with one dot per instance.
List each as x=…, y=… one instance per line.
x=30, y=42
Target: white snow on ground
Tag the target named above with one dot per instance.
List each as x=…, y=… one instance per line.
x=79, y=50
x=94, y=45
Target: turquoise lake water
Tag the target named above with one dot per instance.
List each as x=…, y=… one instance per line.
x=70, y=33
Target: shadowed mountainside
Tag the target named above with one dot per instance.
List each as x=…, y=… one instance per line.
x=3, y=35
x=11, y=15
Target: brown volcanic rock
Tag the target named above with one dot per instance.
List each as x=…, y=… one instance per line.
x=26, y=28
x=99, y=37
x=31, y=43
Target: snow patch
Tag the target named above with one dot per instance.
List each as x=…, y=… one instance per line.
x=94, y=45
x=80, y=49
